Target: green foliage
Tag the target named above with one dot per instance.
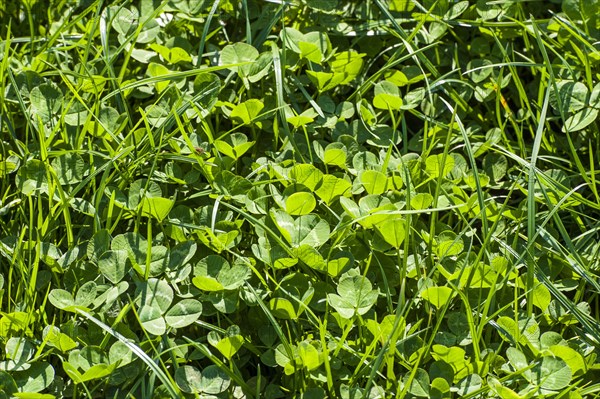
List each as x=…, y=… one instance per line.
x=315, y=198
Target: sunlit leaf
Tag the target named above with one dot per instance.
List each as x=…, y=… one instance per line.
x=355, y=296
x=437, y=296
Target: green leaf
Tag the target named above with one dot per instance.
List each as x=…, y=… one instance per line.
x=86, y=294
x=238, y=53
x=141, y=189
x=572, y=96
x=387, y=96
x=248, y=111
x=392, y=229
x=453, y=356
x=183, y=313
x=323, y=5
x=437, y=296
x=156, y=293
x=46, y=101
x=339, y=263
x=33, y=395
x=82, y=206
x=36, y=378
x=479, y=69
x=306, y=229
x=364, y=161
x=414, y=98
x=158, y=70
x=234, y=146
x=401, y=5
x=116, y=197
x=95, y=372
x=421, y=201
x=224, y=301
x=457, y=9
x=98, y=371
x=396, y=77
x=300, y=203
x=9, y=165
x=495, y=166
x=373, y=181
x=440, y=388
x=113, y=265
x=580, y=10
x=477, y=276
x=107, y=123
x=529, y=331
x=55, y=338
x=291, y=37
x=125, y=21
x=311, y=257
x=313, y=46
x=311, y=52
x=14, y=323
x=469, y=384
x=282, y=309
x=19, y=350
x=345, y=110
x=188, y=379
x=152, y=320
x=303, y=119
x=31, y=178
x=157, y=207
x=448, y=244
x=580, y=120
x=228, y=345
x=325, y=80
x=348, y=63
x=9, y=387
x=307, y=175
x=120, y=354
x=272, y=254
x=309, y=355
x=232, y=185
x=439, y=165
x=367, y=113
x=502, y=391
x=182, y=253
x=235, y=276
x=70, y=168
x=217, y=242
x=213, y=273
x=517, y=359
x=571, y=357
x=172, y=55
x=471, y=181
x=137, y=251
x=356, y=296
x=335, y=154
x=333, y=187
x=419, y=385
x=62, y=299
x=551, y=373
x=212, y=380
x=541, y=297
x=260, y=68
x=509, y=329
x=377, y=209
x=50, y=254
x=206, y=89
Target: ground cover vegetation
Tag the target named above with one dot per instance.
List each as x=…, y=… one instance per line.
x=316, y=198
